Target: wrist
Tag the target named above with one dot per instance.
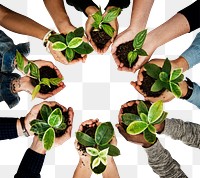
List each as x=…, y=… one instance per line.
x=65, y=27
x=37, y=146
x=19, y=128
x=184, y=88
x=90, y=10
x=181, y=63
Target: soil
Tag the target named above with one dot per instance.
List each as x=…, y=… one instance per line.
x=100, y=38
x=146, y=86
x=122, y=53
x=59, y=133
x=45, y=72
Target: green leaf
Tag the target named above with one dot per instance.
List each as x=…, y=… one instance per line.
x=35, y=91
x=175, y=74
x=113, y=150
x=108, y=29
x=48, y=138
x=144, y=117
x=152, y=70
x=175, y=89
x=84, y=48
x=55, y=81
x=40, y=136
x=19, y=60
x=55, y=118
x=162, y=118
x=59, y=46
x=132, y=56
x=79, y=32
x=157, y=86
x=155, y=111
x=136, y=127
x=62, y=126
x=103, y=159
x=149, y=137
x=97, y=17
x=85, y=139
x=56, y=38
x=36, y=121
x=152, y=129
x=179, y=79
x=26, y=68
x=45, y=112
x=95, y=25
x=99, y=169
x=141, y=52
x=34, y=70
x=96, y=162
x=104, y=133
x=139, y=39
x=39, y=127
x=45, y=81
x=127, y=118
x=112, y=15
x=166, y=66
x=75, y=42
x=103, y=152
x=142, y=108
x=69, y=37
x=69, y=54
x=164, y=77
x=92, y=151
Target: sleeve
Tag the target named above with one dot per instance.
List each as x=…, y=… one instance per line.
x=80, y=5
x=8, y=52
x=192, y=54
x=195, y=97
x=31, y=165
x=162, y=163
x=192, y=14
x=8, y=128
x=119, y=3
x=6, y=94
x=186, y=132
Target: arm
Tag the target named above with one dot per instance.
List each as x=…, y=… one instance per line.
x=83, y=170
x=162, y=163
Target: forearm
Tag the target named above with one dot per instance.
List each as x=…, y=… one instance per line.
x=82, y=170
x=111, y=169
x=186, y=132
x=162, y=163
x=139, y=17
x=21, y=24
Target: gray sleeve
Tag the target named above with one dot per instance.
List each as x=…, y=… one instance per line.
x=187, y=132
x=162, y=163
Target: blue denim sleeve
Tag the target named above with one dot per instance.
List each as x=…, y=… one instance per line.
x=195, y=97
x=6, y=94
x=8, y=52
x=192, y=54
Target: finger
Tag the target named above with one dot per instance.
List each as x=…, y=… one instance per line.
x=141, y=61
x=107, y=45
x=121, y=131
x=71, y=115
x=117, y=61
x=94, y=46
x=140, y=76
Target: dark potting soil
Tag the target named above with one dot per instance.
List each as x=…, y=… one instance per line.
x=59, y=133
x=45, y=72
x=100, y=38
x=146, y=86
x=122, y=53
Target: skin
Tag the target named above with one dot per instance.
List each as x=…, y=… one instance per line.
x=83, y=169
x=90, y=10
x=137, y=139
x=166, y=95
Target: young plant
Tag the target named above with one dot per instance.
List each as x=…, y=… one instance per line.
x=145, y=120
x=165, y=77
x=137, y=46
x=45, y=128
x=99, y=148
x=71, y=43
x=33, y=71
x=102, y=22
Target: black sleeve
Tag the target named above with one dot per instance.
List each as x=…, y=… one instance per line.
x=31, y=165
x=8, y=128
x=80, y=5
x=119, y=3
x=192, y=14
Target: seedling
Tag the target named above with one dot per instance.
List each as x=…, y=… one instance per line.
x=145, y=120
x=33, y=71
x=45, y=128
x=99, y=148
x=137, y=46
x=165, y=77
x=71, y=43
x=102, y=22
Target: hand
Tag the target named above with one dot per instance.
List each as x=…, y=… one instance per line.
x=37, y=146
